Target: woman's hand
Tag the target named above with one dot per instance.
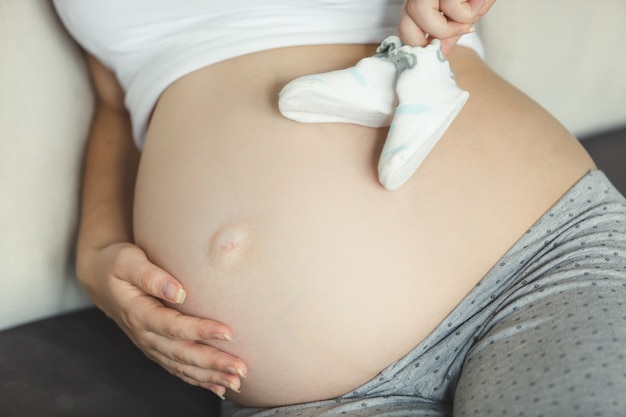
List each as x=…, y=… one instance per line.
x=446, y=20
x=128, y=288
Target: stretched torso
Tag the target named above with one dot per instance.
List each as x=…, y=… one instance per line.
x=282, y=231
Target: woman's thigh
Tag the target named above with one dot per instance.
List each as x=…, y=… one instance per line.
x=563, y=355
x=556, y=344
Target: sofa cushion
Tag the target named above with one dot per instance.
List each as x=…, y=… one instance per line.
x=608, y=150
x=81, y=364
x=45, y=110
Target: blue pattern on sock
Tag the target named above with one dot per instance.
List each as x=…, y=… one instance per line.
x=394, y=150
x=357, y=76
x=412, y=109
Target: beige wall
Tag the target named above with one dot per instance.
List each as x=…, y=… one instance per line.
x=45, y=106
x=569, y=55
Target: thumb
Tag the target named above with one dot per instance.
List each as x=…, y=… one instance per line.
x=132, y=265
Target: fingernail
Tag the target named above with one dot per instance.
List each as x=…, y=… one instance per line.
x=223, y=337
x=173, y=293
x=234, y=388
x=219, y=394
x=235, y=371
x=471, y=29
x=180, y=296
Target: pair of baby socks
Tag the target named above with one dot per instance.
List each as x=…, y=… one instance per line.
x=410, y=89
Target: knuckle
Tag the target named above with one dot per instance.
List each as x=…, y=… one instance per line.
x=121, y=261
x=148, y=280
x=179, y=370
x=118, y=262
x=177, y=357
x=210, y=359
x=170, y=333
x=187, y=374
x=132, y=320
x=125, y=255
x=173, y=331
x=216, y=363
x=181, y=354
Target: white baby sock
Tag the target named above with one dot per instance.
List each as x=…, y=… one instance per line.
x=363, y=94
x=428, y=102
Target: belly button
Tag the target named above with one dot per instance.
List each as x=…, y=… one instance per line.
x=229, y=244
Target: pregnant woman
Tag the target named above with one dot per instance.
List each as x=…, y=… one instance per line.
x=490, y=282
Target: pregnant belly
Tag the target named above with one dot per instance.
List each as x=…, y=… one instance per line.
x=282, y=231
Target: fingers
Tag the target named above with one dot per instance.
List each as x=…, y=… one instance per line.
x=175, y=325
x=410, y=33
x=214, y=374
x=132, y=265
x=422, y=20
x=185, y=346
x=199, y=364
x=179, y=343
x=462, y=11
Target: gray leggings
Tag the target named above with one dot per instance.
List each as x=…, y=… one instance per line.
x=542, y=334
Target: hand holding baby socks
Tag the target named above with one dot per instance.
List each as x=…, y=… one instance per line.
x=418, y=79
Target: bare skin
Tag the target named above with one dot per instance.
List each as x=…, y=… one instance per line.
x=281, y=230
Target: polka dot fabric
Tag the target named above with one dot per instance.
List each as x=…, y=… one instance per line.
x=542, y=335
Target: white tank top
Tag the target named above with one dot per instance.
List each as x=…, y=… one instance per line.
x=149, y=44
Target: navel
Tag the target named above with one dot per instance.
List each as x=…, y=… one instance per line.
x=230, y=244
